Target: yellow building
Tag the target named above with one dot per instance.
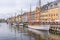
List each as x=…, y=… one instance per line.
x=50, y=12
x=19, y=18
x=14, y=19
x=49, y=15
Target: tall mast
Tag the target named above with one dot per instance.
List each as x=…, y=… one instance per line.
x=30, y=12
x=15, y=18
x=30, y=8
x=21, y=11
x=21, y=15
x=39, y=3
x=39, y=10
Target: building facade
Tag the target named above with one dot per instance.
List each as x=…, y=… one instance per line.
x=50, y=12
x=34, y=16
x=25, y=18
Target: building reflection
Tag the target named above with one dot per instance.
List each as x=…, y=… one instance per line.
x=39, y=35
x=33, y=34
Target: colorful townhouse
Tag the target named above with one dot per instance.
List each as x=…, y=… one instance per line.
x=50, y=12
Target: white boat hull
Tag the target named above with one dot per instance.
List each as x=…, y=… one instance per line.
x=41, y=27
x=21, y=24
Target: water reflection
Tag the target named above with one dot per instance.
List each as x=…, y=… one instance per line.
x=11, y=32
x=39, y=35
x=22, y=32
x=44, y=35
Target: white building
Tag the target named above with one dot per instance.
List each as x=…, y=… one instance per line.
x=25, y=19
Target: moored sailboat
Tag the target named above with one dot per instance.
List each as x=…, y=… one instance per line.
x=38, y=26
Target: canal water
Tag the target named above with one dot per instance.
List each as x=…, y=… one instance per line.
x=11, y=32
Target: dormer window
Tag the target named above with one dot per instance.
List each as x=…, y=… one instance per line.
x=46, y=8
x=55, y=4
x=51, y=5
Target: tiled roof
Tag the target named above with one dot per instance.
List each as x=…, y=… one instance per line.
x=45, y=7
x=58, y=0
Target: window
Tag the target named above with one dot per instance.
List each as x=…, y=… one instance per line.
x=56, y=14
x=51, y=5
x=49, y=14
x=55, y=4
x=46, y=8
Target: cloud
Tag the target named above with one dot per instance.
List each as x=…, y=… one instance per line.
x=46, y=1
x=9, y=7
x=7, y=3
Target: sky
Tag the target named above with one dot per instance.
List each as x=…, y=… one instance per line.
x=8, y=8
